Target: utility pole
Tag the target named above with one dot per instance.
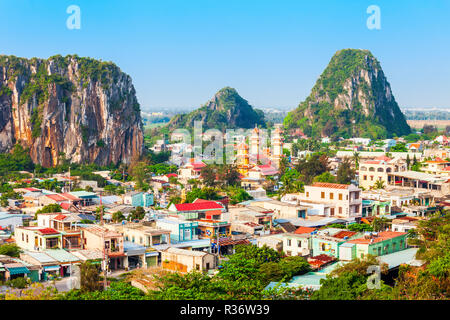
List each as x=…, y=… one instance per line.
x=105, y=265
x=101, y=210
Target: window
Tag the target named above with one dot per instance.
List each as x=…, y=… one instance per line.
x=299, y=244
x=340, y=196
x=23, y=239
x=322, y=195
x=197, y=267
x=356, y=195
x=27, y=238
x=371, y=178
x=340, y=210
x=288, y=253
x=307, y=194
x=289, y=242
x=331, y=195
x=364, y=177
x=331, y=211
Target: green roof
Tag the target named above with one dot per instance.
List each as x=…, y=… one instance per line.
x=61, y=255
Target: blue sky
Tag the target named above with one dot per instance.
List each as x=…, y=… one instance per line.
x=180, y=52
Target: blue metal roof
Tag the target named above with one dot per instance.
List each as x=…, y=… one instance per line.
x=400, y=257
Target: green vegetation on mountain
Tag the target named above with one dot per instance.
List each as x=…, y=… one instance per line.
x=351, y=98
x=226, y=110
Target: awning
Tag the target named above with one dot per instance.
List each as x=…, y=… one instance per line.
x=18, y=270
x=51, y=268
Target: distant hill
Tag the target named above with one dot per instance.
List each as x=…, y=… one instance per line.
x=226, y=110
x=351, y=98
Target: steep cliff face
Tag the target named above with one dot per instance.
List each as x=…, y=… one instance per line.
x=352, y=97
x=226, y=110
x=70, y=107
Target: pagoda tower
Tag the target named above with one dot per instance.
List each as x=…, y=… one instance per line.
x=254, y=142
x=277, y=143
x=242, y=159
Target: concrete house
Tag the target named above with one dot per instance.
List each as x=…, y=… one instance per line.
x=107, y=241
x=182, y=260
x=380, y=243
x=38, y=238
x=346, y=199
x=138, y=199
x=297, y=244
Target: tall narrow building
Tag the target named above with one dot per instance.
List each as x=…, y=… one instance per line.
x=242, y=159
x=254, y=141
x=277, y=145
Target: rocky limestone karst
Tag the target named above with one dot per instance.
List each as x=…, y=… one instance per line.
x=80, y=109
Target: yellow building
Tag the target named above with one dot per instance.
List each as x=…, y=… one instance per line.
x=242, y=161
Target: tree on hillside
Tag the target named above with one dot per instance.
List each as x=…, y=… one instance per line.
x=10, y=249
x=118, y=216
x=50, y=208
x=325, y=177
x=208, y=174
x=138, y=171
x=137, y=214
x=312, y=166
x=89, y=277
x=345, y=173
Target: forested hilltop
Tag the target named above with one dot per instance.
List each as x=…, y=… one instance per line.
x=352, y=98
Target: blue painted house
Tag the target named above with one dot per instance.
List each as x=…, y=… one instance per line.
x=139, y=199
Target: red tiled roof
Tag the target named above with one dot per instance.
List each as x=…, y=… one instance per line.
x=320, y=260
x=170, y=175
x=65, y=205
x=68, y=196
x=198, y=206
x=385, y=235
x=32, y=189
x=56, y=197
x=342, y=234
x=302, y=230
x=198, y=165
x=60, y=217
x=48, y=231
x=330, y=185
x=323, y=257
x=229, y=241
x=384, y=158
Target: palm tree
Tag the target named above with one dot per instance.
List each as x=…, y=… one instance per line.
x=356, y=159
x=379, y=184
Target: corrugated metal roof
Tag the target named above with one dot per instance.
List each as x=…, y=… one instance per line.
x=61, y=255
x=400, y=257
x=40, y=256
